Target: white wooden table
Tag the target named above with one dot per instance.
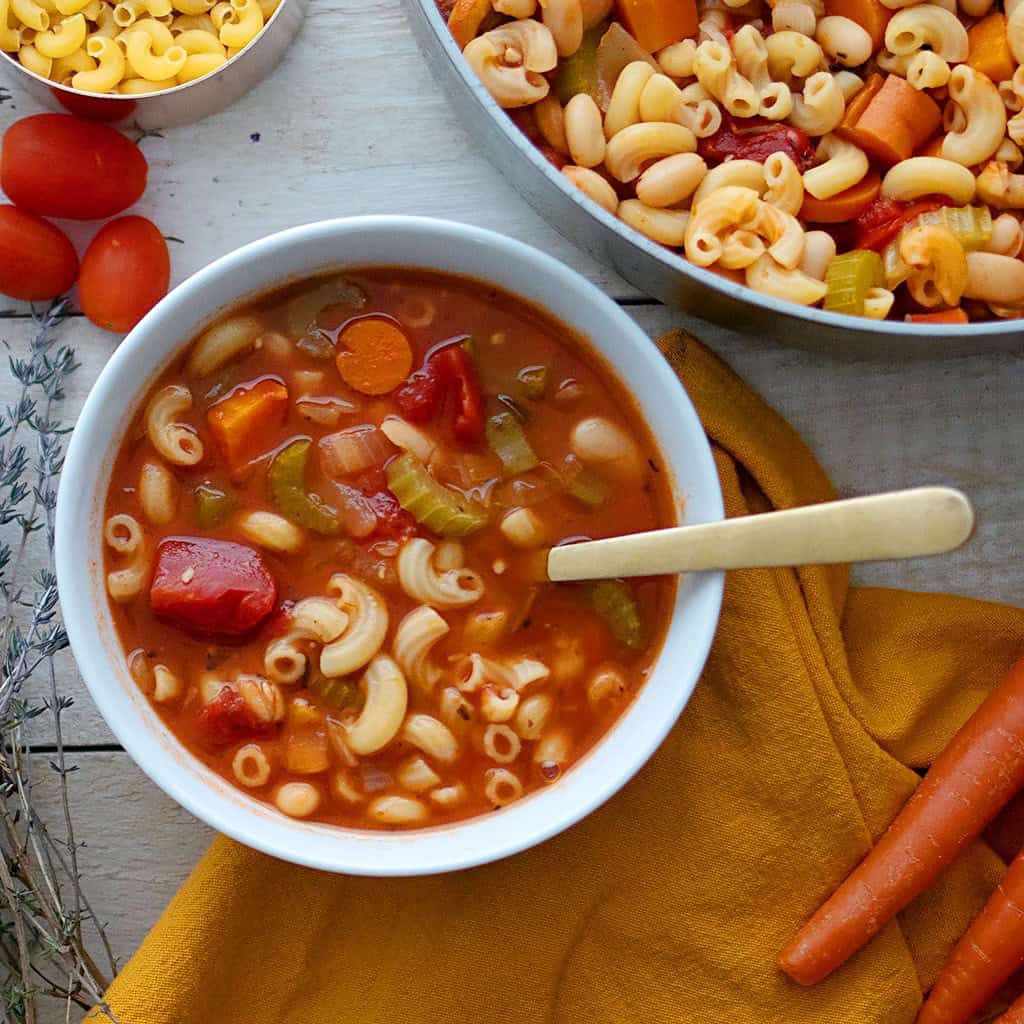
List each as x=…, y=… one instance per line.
x=353, y=123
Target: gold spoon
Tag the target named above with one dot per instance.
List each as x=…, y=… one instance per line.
x=899, y=524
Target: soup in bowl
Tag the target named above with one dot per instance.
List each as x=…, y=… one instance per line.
x=314, y=610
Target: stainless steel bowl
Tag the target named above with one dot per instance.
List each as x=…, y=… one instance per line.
x=658, y=271
x=184, y=104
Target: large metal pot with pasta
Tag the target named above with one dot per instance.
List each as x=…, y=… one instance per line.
x=659, y=271
x=166, y=108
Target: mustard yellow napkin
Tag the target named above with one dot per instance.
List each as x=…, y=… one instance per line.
x=671, y=902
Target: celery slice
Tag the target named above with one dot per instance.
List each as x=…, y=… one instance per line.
x=433, y=505
x=338, y=693
x=213, y=506
x=286, y=481
x=971, y=226
x=508, y=441
x=578, y=72
x=614, y=602
x=533, y=381
x=849, y=278
x=583, y=483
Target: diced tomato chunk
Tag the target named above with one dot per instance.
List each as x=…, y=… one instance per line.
x=211, y=588
x=883, y=220
x=393, y=522
x=447, y=372
x=227, y=719
x=757, y=142
x=422, y=395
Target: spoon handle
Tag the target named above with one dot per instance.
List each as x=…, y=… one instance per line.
x=900, y=524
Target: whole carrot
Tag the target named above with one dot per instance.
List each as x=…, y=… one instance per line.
x=1014, y=1015
x=972, y=779
x=991, y=950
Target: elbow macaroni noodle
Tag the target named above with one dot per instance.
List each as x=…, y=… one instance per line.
x=162, y=43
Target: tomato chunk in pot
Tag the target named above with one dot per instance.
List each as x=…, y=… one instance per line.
x=211, y=588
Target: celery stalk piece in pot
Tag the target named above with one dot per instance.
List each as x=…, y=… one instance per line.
x=849, y=278
x=441, y=509
x=578, y=72
x=286, y=481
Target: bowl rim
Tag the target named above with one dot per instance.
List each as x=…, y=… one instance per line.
x=85, y=479
x=133, y=99
x=669, y=259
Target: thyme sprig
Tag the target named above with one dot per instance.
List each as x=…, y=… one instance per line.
x=48, y=931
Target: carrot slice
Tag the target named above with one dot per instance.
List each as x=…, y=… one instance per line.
x=654, y=24
x=989, y=953
x=846, y=129
x=989, y=48
x=245, y=423
x=871, y=15
x=465, y=20
x=845, y=206
x=969, y=783
x=375, y=356
x=945, y=316
x=896, y=121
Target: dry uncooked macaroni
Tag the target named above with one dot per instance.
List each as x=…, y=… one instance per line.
x=133, y=47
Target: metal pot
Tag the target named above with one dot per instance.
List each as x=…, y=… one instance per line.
x=658, y=271
x=184, y=104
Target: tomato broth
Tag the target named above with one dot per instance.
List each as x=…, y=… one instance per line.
x=322, y=538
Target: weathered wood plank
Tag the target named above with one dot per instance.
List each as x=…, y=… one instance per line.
x=342, y=130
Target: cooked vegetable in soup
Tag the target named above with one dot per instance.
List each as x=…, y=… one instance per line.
x=323, y=534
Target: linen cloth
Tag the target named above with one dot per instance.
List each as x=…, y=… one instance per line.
x=671, y=902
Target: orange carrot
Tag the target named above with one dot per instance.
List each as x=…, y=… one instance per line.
x=933, y=147
x=1014, y=1015
x=970, y=781
x=846, y=129
x=989, y=48
x=844, y=206
x=896, y=121
x=871, y=15
x=983, y=960
x=245, y=422
x=374, y=357
x=1006, y=834
x=945, y=316
x=656, y=23
x=465, y=20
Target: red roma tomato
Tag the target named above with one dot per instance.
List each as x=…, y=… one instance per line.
x=211, y=588
x=36, y=259
x=57, y=165
x=125, y=273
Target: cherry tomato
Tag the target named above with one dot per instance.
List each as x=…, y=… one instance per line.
x=58, y=165
x=95, y=108
x=125, y=273
x=36, y=259
x=211, y=588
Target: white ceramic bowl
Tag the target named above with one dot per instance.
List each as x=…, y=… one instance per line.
x=379, y=241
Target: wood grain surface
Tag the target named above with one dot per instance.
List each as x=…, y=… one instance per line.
x=353, y=123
